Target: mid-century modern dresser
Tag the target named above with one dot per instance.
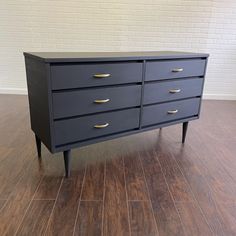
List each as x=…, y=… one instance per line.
x=77, y=99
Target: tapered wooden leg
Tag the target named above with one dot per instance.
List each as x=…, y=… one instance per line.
x=38, y=145
x=67, y=157
x=185, y=127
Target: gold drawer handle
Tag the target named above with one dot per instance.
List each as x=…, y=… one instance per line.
x=101, y=126
x=174, y=90
x=100, y=76
x=177, y=70
x=102, y=101
x=172, y=111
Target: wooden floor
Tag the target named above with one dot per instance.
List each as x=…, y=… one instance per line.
x=144, y=184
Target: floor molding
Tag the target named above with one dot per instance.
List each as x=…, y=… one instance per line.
x=219, y=96
x=13, y=91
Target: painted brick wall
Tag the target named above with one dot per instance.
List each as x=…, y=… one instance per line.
x=120, y=25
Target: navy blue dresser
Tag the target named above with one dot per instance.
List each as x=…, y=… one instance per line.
x=77, y=99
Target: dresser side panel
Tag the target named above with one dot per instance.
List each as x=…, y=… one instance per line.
x=38, y=85
x=204, y=79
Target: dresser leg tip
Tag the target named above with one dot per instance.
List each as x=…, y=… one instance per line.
x=184, y=131
x=67, y=159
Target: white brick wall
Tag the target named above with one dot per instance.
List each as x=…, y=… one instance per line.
x=120, y=25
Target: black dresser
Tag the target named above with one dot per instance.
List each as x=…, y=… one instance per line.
x=77, y=99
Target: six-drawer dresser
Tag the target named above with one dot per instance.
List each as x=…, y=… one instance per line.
x=77, y=99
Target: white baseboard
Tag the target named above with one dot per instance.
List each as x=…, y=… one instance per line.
x=205, y=96
x=219, y=96
x=13, y=91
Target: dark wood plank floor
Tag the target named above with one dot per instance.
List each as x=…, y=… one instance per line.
x=144, y=184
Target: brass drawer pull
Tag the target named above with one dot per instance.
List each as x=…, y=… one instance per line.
x=100, y=76
x=101, y=126
x=102, y=101
x=172, y=111
x=174, y=90
x=177, y=70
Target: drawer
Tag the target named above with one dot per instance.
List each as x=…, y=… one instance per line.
x=170, y=111
x=77, y=129
x=94, y=74
x=172, y=90
x=159, y=70
x=87, y=101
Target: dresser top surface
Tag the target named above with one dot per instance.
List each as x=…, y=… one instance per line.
x=54, y=57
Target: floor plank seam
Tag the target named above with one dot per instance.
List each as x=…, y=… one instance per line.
x=9, y=197
x=93, y=200
x=49, y=219
x=82, y=187
x=212, y=197
x=168, y=187
x=28, y=165
x=138, y=200
x=44, y=199
x=126, y=193
x=225, y=169
x=148, y=193
x=220, y=164
x=4, y=205
x=41, y=179
x=190, y=188
x=103, y=200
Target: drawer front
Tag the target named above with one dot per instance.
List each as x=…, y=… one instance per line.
x=172, y=90
x=87, y=101
x=159, y=70
x=77, y=129
x=165, y=112
x=89, y=75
